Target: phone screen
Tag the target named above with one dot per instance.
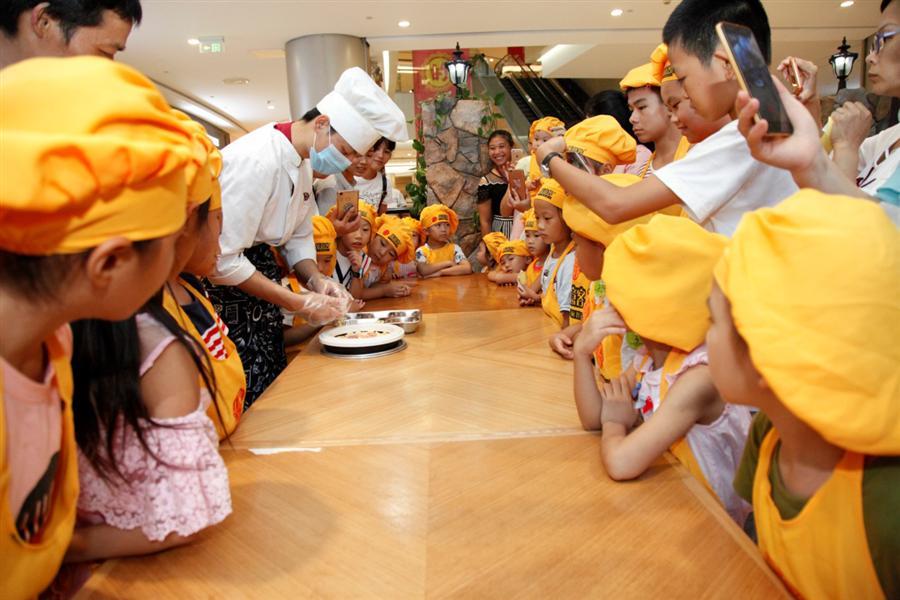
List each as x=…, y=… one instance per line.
x=749, y=62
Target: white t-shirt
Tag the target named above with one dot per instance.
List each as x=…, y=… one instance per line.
x=563, y=285
x=266, y=199
x=370, y=190
x=872, y=173
x=718, y=181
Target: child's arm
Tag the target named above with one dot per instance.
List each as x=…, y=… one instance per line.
x=391, y=289
x=562, y=341
x=588, y=400
x=461, y=268
x=299, y=334
x=565, y=318
x=97, y=542
x=612, y=203
x=501, y=278
x=627, y=455
x=427, y=270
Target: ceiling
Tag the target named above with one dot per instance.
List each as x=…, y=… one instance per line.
x=255, y=31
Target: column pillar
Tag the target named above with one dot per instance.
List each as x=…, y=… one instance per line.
x=314, y=63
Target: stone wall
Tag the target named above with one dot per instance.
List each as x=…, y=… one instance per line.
x=456, y=157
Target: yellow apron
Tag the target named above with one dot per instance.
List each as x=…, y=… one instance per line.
x=582, y=304
x=445, y=254
x=680, y=449
x=27, y=569
x=823, y=552
x=549, y=302
x=231, y=384
x=533, y=272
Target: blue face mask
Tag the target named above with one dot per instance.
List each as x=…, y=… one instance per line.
x=329, y=161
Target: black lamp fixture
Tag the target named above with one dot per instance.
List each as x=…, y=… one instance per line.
x=458, y=68
x=842, y=63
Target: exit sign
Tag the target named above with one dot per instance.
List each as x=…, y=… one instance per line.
x=212, y=45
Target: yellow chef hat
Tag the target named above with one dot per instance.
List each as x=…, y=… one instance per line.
x=662, y=68
x=639, y=77
x=658, y=276
x=530, y=220
x=494, y=242
x=550, y=125
x=438, y=213
x=204, y=185
x=551, y=192
x=395, y=232
x=325, y=236
x=91, y=151
x=588, y=224
x=515, y=248
x=814, y=285
x=601, y=138
x=414, y=227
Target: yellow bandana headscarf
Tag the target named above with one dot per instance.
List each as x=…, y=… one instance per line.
x=395, y=232
x=205, y=184
x=515, y=248
x=588, y=224
x=552, y=192
x=494, y=242
x=530, y=220
x=814, y=286
x=90, y=151
x=438, y=213
x=662, y=68
x=659, y=275
x=639, y=77
x=602, y=139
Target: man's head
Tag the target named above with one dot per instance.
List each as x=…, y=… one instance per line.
x=66, y=27
x=699, y=59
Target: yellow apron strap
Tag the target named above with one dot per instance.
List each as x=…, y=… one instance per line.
x=646, y=168
x=549, y=301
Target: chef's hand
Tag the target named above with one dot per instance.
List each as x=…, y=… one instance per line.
x=329, y=287
x=348, y=224
x=554, y=144
x=319, y=309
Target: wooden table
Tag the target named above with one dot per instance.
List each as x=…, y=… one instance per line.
x=456, y=468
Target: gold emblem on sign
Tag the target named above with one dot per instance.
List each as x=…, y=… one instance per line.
x=434, y=75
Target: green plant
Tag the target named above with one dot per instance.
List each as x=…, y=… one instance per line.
x=418, y=190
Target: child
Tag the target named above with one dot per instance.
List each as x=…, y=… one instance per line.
x=657, y=277
x=71, y=221
x=556, y=278
x=185, y=297
x=821, y=464
x=540, y=131
x=351, y=261
x=439, y=257
x=718, y=181
x=325, y=239
x=390, y=243
x=592, y=235
x=514, y=259
x=409, y=269
x=530, y=288
x=488, y=254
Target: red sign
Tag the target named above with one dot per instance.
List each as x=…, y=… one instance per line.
x=430, y=76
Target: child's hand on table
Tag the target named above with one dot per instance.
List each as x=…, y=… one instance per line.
x=561, y=343
x=399, y=289
x=618, y=405
x=600, y=324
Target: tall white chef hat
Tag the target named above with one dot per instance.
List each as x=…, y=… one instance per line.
x=362, y=112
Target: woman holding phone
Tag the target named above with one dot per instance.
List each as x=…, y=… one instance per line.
x=494, y=212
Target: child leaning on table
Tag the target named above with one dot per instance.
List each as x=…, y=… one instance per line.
x=530, y=288
x=409, y=270
x=822, y=462
x=439, y=257
x=514, y=259
x=658, y=277
x=488, y=253
x=71, y=221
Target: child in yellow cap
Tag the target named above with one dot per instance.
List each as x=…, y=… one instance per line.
x=822, y=461
x=96, y=171
x=440, y=257
x=488, y=253
x=364, y=257
x=540, y=131
x=657, y=277
x=351, y=260
x=514, y=259
x=556, y=278
x=529, y=287
x=409, y=270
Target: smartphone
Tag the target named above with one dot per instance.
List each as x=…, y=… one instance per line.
x=517, y=181
x=794, y=76
x=754, y=77
x=517, y=154
x=347, y=200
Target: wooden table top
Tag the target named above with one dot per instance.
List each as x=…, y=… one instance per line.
x=456, y=468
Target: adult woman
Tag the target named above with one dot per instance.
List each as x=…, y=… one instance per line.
x=496, y=214
x=615, y=104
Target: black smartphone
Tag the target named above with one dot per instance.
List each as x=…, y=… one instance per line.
x=754, y=77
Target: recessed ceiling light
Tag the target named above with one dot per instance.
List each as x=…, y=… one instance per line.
x=236, y=81
x=617, y=12
x=271, y=107
x=403, y=24
x=847, y=3
x=194, y=42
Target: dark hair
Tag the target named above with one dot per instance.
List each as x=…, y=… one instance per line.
x=311, y=115
x=391, y=144
x=71, y=14
x=106, y=361
x=503, y=134
x=612, y=103
x=885, y=4
x=692, y=25
x=202, y=213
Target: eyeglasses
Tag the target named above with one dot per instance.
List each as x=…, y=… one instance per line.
x=880, y=38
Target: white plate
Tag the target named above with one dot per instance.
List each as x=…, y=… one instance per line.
x=339, y=337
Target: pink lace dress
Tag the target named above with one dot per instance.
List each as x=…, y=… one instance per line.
x=181, y=488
